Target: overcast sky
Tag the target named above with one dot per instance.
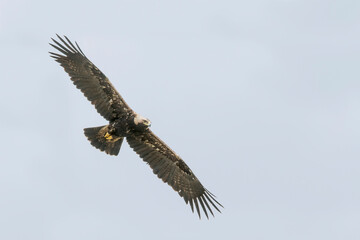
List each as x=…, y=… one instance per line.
x=260, y=98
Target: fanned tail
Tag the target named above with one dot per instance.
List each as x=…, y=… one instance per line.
x=100, y=138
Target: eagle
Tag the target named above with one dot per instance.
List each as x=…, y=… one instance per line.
x=123, y=122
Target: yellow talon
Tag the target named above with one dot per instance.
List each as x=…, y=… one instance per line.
x=108, y=136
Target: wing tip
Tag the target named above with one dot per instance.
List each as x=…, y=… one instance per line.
x=65, y=46
x=204, y=199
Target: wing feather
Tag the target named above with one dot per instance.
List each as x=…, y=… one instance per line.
x=89, y=79
x=173, y=170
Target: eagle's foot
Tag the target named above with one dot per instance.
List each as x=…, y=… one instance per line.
x=108, y=136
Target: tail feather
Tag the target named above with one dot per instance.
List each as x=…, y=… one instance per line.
x=102, y=140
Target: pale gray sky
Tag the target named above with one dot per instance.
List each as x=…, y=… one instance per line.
x=260, y=98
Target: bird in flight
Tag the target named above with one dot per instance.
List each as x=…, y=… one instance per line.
x=125, y=123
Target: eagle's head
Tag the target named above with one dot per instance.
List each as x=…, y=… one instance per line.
x=141, y=123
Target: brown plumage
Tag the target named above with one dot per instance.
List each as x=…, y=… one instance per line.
x=125, y=123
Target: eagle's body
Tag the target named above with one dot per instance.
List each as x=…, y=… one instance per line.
x=125, y=123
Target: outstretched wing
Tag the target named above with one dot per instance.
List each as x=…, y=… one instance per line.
x=89, y=79
x=168, y=166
